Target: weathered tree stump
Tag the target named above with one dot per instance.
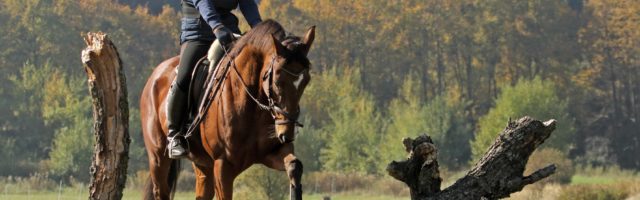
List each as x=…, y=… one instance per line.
x=107, y=85
x=497, y=175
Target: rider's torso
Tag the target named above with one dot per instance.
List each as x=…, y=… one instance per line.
x=194, y=27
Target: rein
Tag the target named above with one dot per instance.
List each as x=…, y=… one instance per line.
x=211, y=94
x=272, y=107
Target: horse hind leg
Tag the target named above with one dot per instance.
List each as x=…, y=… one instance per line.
x=163, y=172
x=159, y=188
x=204, y=182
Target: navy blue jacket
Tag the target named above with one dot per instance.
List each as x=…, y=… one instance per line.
x=213, y=14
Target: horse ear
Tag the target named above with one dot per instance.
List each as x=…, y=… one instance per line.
x=280, y=49
x=308, y=39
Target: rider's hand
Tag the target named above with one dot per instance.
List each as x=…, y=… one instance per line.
x=224, y=35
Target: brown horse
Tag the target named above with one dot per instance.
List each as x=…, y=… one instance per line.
x=251, y=119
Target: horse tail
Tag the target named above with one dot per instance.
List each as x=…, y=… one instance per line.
x=172, y=180
x=174, y=173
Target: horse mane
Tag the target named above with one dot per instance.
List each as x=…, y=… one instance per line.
x=259, y=37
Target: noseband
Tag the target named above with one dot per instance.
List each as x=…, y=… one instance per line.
x=273, y=107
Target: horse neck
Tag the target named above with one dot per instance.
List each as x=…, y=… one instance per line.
x=249, y=65
x=241, y=115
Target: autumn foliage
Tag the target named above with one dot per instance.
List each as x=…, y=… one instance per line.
x=382, y=70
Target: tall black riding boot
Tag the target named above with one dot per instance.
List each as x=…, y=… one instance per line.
x=176, y=110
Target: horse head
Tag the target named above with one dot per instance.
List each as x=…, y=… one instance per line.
x=285, y=79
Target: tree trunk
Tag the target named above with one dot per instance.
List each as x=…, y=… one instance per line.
x=107, y=86
x=498, y=174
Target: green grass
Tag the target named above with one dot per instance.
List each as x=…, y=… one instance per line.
x=16, y=192
x=348, y=196
x=603, y=175
x=76, y=193
x=582, y=179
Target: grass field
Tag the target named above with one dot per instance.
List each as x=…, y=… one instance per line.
x=627, y=183
x=73, y=194
x=582, y=179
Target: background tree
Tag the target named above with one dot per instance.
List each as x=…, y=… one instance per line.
x=610, y=77
x=41, y=99
x=536, y=98
x=380, y=69
x=354, y=129
x=410, y=116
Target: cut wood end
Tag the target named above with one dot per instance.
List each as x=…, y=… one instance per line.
x=540, y=174
x=95, y=41
x=408, y=144
x=427, y=152
x=86, y=55
x=92, y=38
x=397, y=170
x=550, y=123
x=524, y=119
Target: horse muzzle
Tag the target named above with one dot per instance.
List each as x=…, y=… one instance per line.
x=284, y=139
x=285, y=133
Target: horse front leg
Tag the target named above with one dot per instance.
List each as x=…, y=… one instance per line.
x=285, y=160
x=294, y=171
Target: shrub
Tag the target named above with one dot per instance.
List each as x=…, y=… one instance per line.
x=259, y=182
x=333, y=182
x=546, y=156
x=354, y=126
x=389, y=186
x=442, y=118
x=603, y=175
x=138, y=180
x=607, y=171
x=594, y=192
x=186, y=180
x=536, y=98
x=35, y=182
x=545, y=192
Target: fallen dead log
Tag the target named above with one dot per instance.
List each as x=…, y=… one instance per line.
x=498, y=174
x=107, y=85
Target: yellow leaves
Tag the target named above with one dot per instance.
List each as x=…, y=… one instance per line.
x=446, y=38
x=521, y=26
x=454, y=95
x=584, y=78
x=611, y=38
x=489, y=17
x=476, y=62
x=480, y=36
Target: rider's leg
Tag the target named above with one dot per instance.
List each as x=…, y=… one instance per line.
x=191, y=52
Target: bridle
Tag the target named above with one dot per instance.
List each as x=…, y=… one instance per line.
x=272, y=107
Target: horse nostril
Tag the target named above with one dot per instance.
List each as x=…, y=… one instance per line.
x=282, y=138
